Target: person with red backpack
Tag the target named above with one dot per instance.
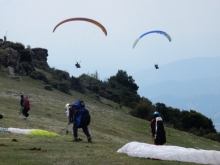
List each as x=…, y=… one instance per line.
x=25, y=106
x=157, y=129
x=80, y=117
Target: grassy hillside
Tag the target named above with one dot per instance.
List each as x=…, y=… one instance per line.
x=110, y=127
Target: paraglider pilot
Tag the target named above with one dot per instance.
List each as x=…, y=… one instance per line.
x=77, y=65
x=157, y=129
x=156, y=66
x=80, y=117
x=24, y=109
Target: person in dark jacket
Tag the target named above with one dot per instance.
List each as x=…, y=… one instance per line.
x=157, y=129
x=24, y=110
x=80, y=117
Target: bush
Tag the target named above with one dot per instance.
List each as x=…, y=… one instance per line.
x=42, y=65
x=55, y=77
x=17, y=46
x=193, y=130
x=63, y=87
x=25, y=55
x=75, y=84
x=143, y=110
x=213, y=136
x=62, y=74
x=3, y=53
x=39, y=76
x=95, y=88
x=102, y=93
x=27, y=67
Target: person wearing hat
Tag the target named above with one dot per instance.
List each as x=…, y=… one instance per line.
x=157, y=129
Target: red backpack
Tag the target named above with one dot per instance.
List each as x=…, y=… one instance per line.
x=26, y=103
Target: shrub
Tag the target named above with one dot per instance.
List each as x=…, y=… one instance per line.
x=27, y=67
x=75, y=84
x=95, y=88
x=55, y=77
x=143, y=110
x=212, y=136
x=25, y=55
x=193, y=130
x=63, y=87
x=42, y=65
x=101, y=93
x=39, y=76
x=17, y=46
x=3, y=53
x=62, y=74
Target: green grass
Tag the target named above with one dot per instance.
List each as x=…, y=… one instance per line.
x=111, y=128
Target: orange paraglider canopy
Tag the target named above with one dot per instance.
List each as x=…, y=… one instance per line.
x=82, y=19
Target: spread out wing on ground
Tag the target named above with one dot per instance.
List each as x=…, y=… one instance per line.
x=171, y=153
x=30, y=132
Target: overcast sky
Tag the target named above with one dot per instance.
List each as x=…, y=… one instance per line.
x=194, y=26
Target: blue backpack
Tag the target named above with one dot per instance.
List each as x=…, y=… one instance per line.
x=82, y=118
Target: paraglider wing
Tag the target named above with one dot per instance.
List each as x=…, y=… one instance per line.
x=82, y=19
x=30, y=132
x=155, y=31
x=171, y=153
x=4, y=130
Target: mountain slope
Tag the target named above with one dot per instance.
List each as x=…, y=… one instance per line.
x=110, y=128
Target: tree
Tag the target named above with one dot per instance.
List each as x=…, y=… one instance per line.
x=125, y=87
x=122, y=78
x=95, y=75
x=75, y=84
x=143, y=110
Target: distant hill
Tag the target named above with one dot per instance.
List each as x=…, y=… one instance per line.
x=185, y=84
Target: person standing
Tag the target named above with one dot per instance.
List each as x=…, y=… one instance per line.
x=80, y=117
x=25, y=106
x=157, y=129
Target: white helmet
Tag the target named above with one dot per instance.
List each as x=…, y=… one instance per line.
x=67, y=105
